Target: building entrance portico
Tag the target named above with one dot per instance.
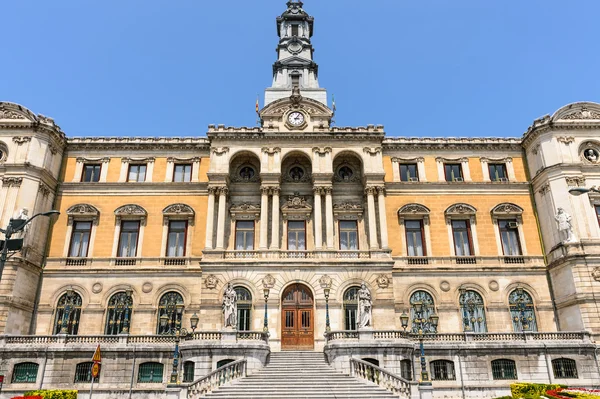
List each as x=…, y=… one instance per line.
x=297, y=318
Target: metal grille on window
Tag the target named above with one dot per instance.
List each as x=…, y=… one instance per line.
x=244, y=305
x=68, y=312
x=522, y=311
x=150, y=372
x=350, y=307
x=24, y=373
x=504, y=369
x=472, y=311
x=564, y=368
x=428, y=309
x=83, y=372
x=118, y=317
x=442, y=370
x=170, y=310
x=188, y=371
x=406, y=369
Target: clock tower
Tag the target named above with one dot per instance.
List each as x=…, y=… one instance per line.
x=295, y=65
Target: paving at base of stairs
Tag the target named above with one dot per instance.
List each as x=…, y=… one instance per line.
x=295, y=375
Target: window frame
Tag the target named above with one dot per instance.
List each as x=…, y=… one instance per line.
x=74, y=230
x=348, y=231
x=245, y=231
x=151, y=372
x=510, y=229
x=87, y=372
x=460, y=172
x=94, y=165
x=597, y=209
x=184, y=164
x=407, y=165
x=421, y=231
x=350, y=307
x=467, y=229
x=137, y=240
x=137, y=165
x=499, y=369
x=185, y=237
x=17, y=366
x=244, y=305
x=406, y=369
x=111, y=313
x=561, y=362
x=297, y=231
x=495, y=165
x=186, y=371
x=435, y=367
x=74, y=316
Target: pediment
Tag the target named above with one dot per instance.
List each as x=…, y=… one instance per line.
x=279, y=108
x=296, y=61
x=578, y=111
x=15, y=112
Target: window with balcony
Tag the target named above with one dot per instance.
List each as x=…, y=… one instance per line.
x=498, y=172
x=182, y=173
x=244, y=235
x=409, y=172
x=509, y=237
x=83, y=373
x=176, y=238
x=128, y=239
x=136, y=173
x=80, y=239
x=415, y=238
x=350, y=308
x=91, y=173
x=348, y=235
x=463, y=241
x=442, y=370
x=504, y=369
x=453, y=172
x=296, y=235
x=564, y=368
x=68, y=312
x=150, y=372
x=24, y=373
x=244, y=306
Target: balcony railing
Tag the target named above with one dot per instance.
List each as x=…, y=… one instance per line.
x=123, y=262
x=468, y=260
x=297, y=255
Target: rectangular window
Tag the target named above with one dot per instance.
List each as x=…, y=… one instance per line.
x=295, y=80
x=91, y=173
x=294, y=30
x=151, y=372
x=24, y=373
x=244, y=236
x=597, y=207
x=137, y=173
x=243, y=314
x=461, y=231
x=128, y=239
x=83, y=372
x=188, y=372
x=182, y=173
x=176, y=238
x=348, y=235
x=453, y=172
x=80, y=239
x=415, y=238
x=289, y=319
x=296, y=235
x=509, y=236
x=498, y=172
x=409, y=172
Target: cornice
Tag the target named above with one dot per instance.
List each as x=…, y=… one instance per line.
x=129, y=188
x=451, y=143
x=466, y=188
x=138, y=143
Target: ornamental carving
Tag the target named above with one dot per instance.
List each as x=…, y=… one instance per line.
x=178, y=209
x=566, y=140
x=460, y=210
x=347, y=210
x=507, y=209
x=584, y=113
x=383, y=281
x=296, y=208
x=346, y=174
x=130, y=210
x=245, y=174
x=297, y=174
x=413, y=210
x=575, y=181
x=12, y=181
x=83, y=210
x=211, y=281
x=322, y=151
x=372, y=150
x=596, y=274
x=220, y=150
x=268, y=281
x=544, y=189
x=271, y=151
x=8, y=114
x=325, y=281
x=19, y=140
x=44, y=190
x=245, y=211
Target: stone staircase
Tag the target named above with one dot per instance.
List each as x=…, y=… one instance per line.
x=294, y=375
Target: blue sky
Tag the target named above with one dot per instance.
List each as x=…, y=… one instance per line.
x=421, y=68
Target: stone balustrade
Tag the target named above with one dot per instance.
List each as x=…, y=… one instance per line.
x=122, y=262
x=385, y=379
x=464, y=261
x=220, y=376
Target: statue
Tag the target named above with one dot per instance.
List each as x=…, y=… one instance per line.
x=230, y=307
x=365, y=305
x=23, y=214
x=591, y=156
x=565, y=229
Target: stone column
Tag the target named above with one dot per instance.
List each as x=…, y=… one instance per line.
x=370, y=191
x=329, y=217
x=318, y=222
x=264, y=218
x=221, y=220
x=275, y=219
x=210, y=217
x=382, y=217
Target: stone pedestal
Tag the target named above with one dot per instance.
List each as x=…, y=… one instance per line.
x=425, y=390
x=229, y=335
x=365, y=334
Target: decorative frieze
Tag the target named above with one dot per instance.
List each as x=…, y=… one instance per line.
x=348, y=210
x=296, y=208
x=544, y=189
x=20, y=140
x=8, y=114
x=575, y=181
x=245, y=211
x=566, y=140
x=583, y=113
x=12, y=181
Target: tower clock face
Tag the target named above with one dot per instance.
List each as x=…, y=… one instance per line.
x=296, y=118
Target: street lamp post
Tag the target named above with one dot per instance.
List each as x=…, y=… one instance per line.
x=15, y=226
x=422, y=326
x=325, y=282
x=577, y=191
x=178, y=331
x=266, y=320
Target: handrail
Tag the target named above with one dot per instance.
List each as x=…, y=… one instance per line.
x=215, y=379
x=390, y=381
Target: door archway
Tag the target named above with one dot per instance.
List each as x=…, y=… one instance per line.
x=297, y=318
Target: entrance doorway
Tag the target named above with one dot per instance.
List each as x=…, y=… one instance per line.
x=297, y=318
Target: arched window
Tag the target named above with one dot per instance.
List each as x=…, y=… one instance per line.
x=170, y=310
x=24, y=373
x=406, y=369
x=442, y=370
x=350, y=307
x=188, y=371
x=224, y=362
x=83, y=372
x=151, y=372
x=504, y=369
x=522, y=311
x=472, y=311
x=68, y=313
x=118, y=318
x=244, y=305
x=425, y=300
x=564, y=368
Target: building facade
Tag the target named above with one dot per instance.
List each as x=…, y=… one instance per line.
x=295, y=215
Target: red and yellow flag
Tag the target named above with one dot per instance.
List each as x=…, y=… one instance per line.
x=257, y=106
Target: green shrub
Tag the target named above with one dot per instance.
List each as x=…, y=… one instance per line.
x=504, y=397
x=54, y=394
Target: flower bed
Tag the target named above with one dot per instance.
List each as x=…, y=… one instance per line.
x=570, y=393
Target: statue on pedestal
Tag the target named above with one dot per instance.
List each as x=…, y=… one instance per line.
x=365, y=305
x=230, y=307
x=565, y=229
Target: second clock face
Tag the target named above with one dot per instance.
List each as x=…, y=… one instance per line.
x=296, y=118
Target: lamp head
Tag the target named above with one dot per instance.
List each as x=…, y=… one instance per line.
x=404, y=319
x=434, y=320
x=326, y=291
x=418, y=306
x=50, y=213
x=266, y=292
x=577, y=191
x=179, y=308
x=163, y=320
x=194, y=321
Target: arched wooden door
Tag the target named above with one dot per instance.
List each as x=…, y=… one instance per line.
x=297, y=318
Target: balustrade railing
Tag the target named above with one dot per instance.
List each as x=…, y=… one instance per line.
x=252, y=336
x=391, y=382
x=469, y=260
x=217, y=378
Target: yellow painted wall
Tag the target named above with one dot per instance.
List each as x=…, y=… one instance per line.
x=204, y=165
x=114, y=170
